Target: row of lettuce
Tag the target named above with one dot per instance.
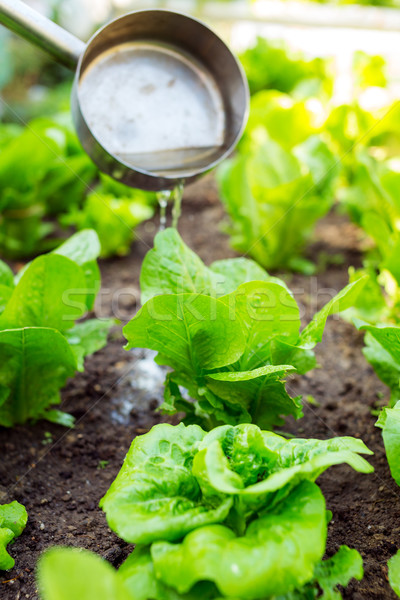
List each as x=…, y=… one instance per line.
x=299, y=155
x=219, y=506
x=221, y=480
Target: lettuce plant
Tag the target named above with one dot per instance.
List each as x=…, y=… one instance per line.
x=233, y=513
x=271, y=65
x=372, y=202
x=113, y=210
x=43, y=170
x=176, y=479
x=283, y=175
x=40, y=343
x=65, y=573
x=382, y=350
x=246, y=495
x=229, y=345
x=13, y=518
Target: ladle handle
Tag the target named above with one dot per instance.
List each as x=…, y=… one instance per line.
x=34, y=27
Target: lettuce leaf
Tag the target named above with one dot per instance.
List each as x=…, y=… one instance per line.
x=13, y=519
x=43, y=171
x=6, y=275
x=66, y=573
x=382, y=351
x=171, y=267
x=343, y=566
x=389, y=422
x=155, y=495
x=277, y=552
x=138, y=576
x=88, y=337
x=255, y=465
x=394, y=573
x=84, y=248
x=30, y=375
x=192, y=333
x=51, y=293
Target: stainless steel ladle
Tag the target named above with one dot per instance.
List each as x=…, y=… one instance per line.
x=158, y=97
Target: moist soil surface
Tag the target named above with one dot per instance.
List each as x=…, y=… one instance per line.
x=60, y=475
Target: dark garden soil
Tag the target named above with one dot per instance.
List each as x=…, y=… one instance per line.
x=60, y=475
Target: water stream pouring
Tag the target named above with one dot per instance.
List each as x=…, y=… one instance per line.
x=158, y=98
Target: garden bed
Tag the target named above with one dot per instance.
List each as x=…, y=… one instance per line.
x=60, y=475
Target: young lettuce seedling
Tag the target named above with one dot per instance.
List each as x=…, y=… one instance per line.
x=229, y=340
x=40, y=344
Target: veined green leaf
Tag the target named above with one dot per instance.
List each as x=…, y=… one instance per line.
x=312, y=333
x=268, y=191
x=343, y=566
x=155, y=496
x=172, y=268
x=267, y=310
x=137, y=574
x=51, y=293
x=84, y=248
x=5, y=295
x=328, y=574
x=234, y=376
x=30, y=375
x=277, y=552
x=388, y=337
x=252, y=464
x=191, y=331
x=88, y=337
x=260, y=392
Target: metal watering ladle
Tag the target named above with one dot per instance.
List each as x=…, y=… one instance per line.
x=158, y=97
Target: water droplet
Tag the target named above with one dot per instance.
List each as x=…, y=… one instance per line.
x=166, y=196
x=163, y=198
x=177, y=208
